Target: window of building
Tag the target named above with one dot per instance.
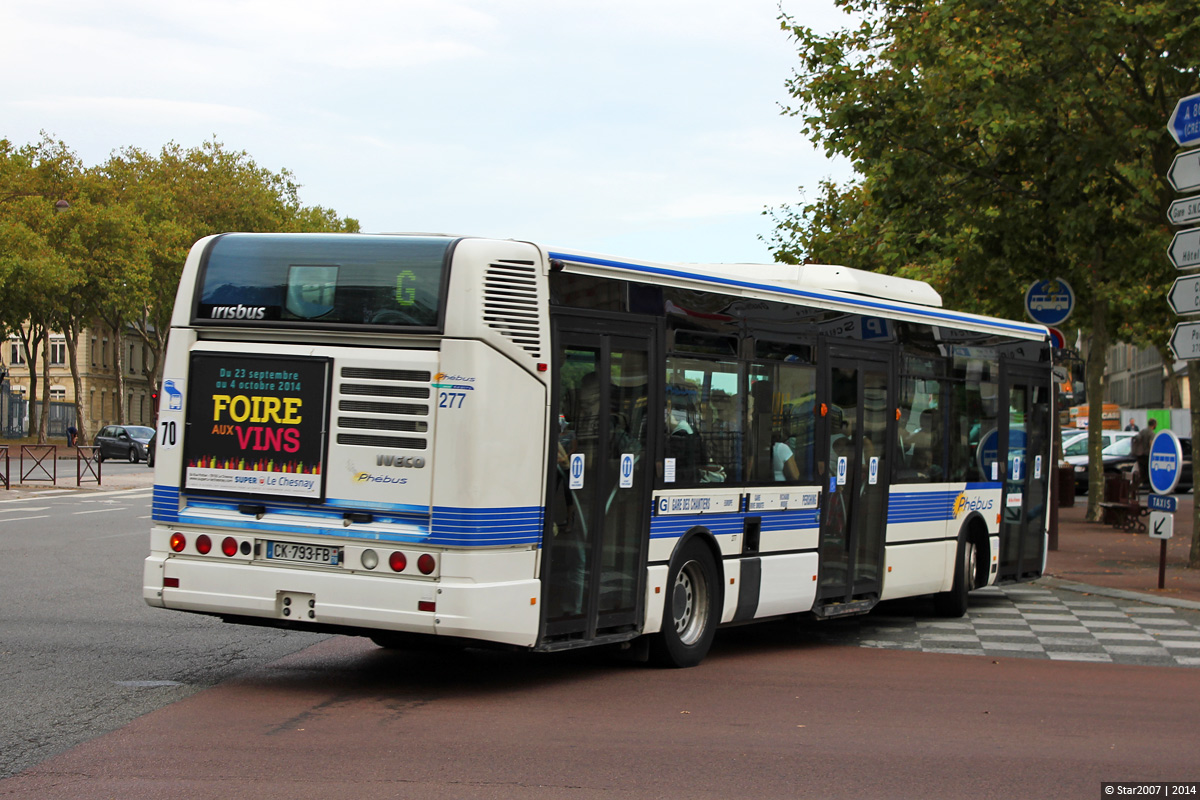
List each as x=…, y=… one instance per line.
x=58, y=352
x=16, y=356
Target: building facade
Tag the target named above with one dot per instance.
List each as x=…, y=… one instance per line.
x=97, y=349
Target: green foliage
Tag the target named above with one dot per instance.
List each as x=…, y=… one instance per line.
x=114, y=250
x=998, y=143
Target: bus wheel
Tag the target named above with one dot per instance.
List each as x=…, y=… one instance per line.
x=692, y=609
x=954, y=602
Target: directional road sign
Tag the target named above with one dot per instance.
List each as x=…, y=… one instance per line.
x=1184, y=211
x=1184, y=124
x=1185, y=341
x=1185, y=295
x=1166, y=462
x=1161, y=502
x=1162, y=525
x=1184, y=173
x=1184, y=251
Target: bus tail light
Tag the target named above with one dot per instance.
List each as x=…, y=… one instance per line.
x=397, y=561
x=426, y=605
x=426, y=564
x=203, y=544
x=178, y=542
x=229, y=546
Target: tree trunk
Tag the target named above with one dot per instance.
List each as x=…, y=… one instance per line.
x=1193, y=370
x=81, y=420
x=29, y=344
x=44, y=421
x=1096, y=360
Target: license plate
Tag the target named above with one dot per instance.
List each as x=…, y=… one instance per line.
x=304, y=553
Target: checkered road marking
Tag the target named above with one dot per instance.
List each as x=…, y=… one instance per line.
x=1031, y=621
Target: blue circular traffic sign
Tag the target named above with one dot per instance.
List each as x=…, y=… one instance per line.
x=1166, y=462
x=1049, y=302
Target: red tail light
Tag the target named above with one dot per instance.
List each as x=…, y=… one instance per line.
x=426, y=564
x=178, y=542
x=203, y=544
x=397, y=561
x=229, y=546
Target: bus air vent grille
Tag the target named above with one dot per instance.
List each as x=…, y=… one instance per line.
x=512, y=305
x=371, y=408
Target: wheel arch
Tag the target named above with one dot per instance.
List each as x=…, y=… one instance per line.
x=974, y=529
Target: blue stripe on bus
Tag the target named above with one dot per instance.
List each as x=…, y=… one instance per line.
x=164, y=503
x=920, y=311
x=921, y=507
x=673, y=526
x=447, y=525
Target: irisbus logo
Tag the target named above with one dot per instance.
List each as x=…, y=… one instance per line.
x=238, y=312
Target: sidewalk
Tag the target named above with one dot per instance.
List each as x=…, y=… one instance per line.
x=1107, y=560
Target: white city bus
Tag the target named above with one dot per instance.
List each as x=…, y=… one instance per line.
x=433, y=438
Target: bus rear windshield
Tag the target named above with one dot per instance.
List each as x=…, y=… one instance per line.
x=319, y=279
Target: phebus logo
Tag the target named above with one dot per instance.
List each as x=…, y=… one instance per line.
x=445, y=381
x=238, y=312
x=963, y=504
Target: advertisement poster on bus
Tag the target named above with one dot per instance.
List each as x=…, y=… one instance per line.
x=256, y=425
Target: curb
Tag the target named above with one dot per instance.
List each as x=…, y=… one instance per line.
x=1120, y=594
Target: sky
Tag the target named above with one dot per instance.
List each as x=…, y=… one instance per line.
x=646, y=129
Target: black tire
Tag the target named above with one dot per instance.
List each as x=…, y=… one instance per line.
x=954, y=602
x=99, y=455
x=133, y=459
x=692, y=609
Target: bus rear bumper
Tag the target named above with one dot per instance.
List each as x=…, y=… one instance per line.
x=503, y=612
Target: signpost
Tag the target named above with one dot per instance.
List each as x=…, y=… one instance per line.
x=1185, y=341
x=1184, y=174
x=1184, y=211
x=1184, y=124
x=1166, y=465
x=1184, y=296
x=1184, y=251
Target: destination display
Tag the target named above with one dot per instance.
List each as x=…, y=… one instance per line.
x=256, y=425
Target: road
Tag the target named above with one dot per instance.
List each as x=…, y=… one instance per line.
x=865, y=708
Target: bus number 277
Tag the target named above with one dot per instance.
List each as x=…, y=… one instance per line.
x=451, y=399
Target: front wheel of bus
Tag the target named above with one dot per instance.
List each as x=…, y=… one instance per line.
x=692, y=609
x=954, y=602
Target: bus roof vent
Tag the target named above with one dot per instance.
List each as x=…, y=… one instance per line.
x=828, y=277
x=511, y=304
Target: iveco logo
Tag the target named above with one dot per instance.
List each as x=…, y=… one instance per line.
x=400, y=462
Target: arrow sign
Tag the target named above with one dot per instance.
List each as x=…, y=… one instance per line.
x=1184, y=173
x=1162, y=525
x=1184, y=251
x=1184, y=124
x=1185, y=295
x=1185, y=341
x=1184, y=211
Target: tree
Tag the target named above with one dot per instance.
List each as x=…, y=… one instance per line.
x=182, y=196
x=999, y=142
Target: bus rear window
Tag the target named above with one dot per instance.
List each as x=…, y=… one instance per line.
x=318, y=279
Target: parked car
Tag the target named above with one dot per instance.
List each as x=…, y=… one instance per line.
x=123, y=441
x=1117, y=455
x=150, y=450
x=1115, y=450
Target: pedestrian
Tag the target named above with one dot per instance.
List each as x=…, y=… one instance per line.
x=72, y=432
x=1132, y=426
x=1141, y=449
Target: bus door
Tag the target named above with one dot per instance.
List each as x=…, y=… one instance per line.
x=1025, y=469
x=598, y=509
x=858, y=413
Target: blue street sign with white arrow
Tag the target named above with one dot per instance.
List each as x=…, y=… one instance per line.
x=1184, y=124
